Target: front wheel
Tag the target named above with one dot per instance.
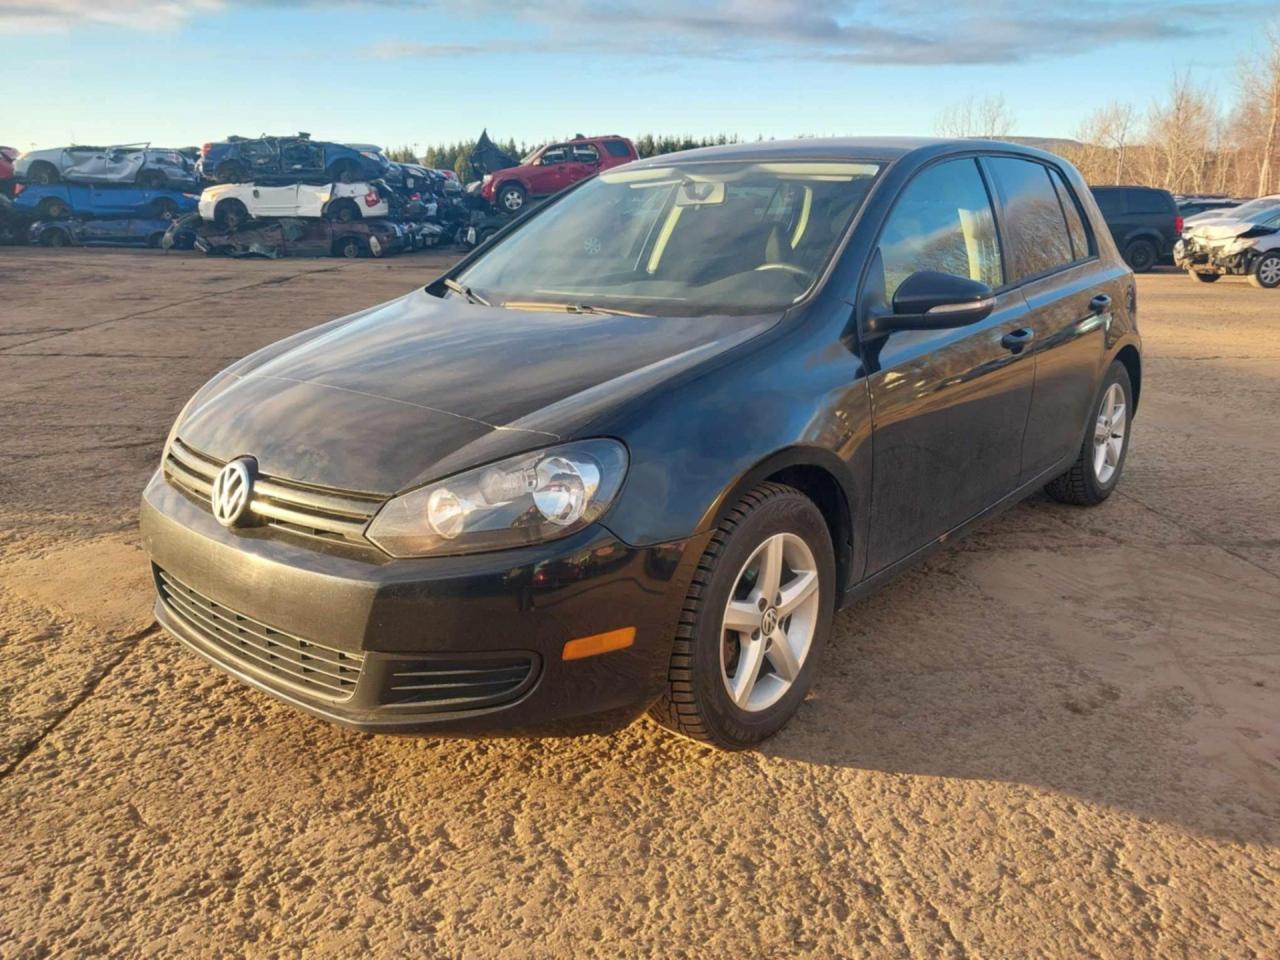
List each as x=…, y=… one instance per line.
x=754, y=624
x=511, y=198
x=1266, y=272
x=1206, y=277
x=1097, y=470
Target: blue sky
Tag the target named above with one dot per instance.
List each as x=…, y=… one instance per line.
x=395, y=72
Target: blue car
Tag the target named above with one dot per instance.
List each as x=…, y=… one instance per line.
x=56, y=201
x=99, y=233
x=290, y=160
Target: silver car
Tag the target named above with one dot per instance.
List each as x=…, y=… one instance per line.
x=139, y=163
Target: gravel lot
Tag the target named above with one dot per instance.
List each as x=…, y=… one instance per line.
x=1060, y=737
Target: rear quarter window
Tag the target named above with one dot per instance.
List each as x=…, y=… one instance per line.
x=616, y=148
x=1110, y=202
x=1151, y=201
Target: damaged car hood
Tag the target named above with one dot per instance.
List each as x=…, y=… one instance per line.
x=1226, y=228
x=421, y=387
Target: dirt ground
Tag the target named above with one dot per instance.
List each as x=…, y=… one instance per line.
x=1059, y=738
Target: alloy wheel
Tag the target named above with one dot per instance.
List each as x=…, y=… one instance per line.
x=1269, y=272
x=769, y=622
x=1108, y=434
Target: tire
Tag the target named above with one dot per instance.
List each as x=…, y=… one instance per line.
x=43, y=173
x=1083, y=484
x=155, y=241
x=1206, y=277
x=229, y=171
x=53, y=238
x=511, y=198
x=349, y=248
x=344, y=211
x=697, y=702
x=55, y=209
x=151, y=179
x=231, y=215
x=1140, y=255
x=164, y=209
x=1266, y=271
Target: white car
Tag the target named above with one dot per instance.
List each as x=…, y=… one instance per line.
x=231, y=204
x=1244, y=241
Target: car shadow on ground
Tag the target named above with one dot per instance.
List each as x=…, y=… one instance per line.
x=1150, y=701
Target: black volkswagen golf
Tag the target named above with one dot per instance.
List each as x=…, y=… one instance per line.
x=633, y=453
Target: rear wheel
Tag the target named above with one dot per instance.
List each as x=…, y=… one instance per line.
x=1266, y=272
x=349, y=248
x=230, y=171
x=1097, y=470
x=511, y=197
x=344, y=211
x=344, y=171
x=1140, y=255
x=754, y=624
x=54, y=209
x=54, y=238
x=1205, y=277
x=164, y=209
x=151, y=179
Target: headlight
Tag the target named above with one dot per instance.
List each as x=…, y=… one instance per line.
x=530, y=498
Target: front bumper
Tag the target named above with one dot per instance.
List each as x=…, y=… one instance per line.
x=336, y=629
x=1203, y=258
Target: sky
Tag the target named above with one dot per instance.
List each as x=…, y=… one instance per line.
x=418, y=72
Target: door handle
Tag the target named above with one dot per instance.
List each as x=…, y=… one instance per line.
x=1100, y=304
x=1016, y=340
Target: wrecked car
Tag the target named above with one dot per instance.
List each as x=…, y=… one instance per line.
x=13, y=222
x=140, y=163
x=293, y=237
x=182, y=233
x=289, y=160
x=1242, y=242
x=57, y=201
x=7, y=156
x=232, y=204
x=551, y=168
x=98, y=233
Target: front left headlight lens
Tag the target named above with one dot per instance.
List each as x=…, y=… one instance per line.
x=530, y=498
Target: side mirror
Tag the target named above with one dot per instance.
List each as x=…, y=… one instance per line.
x=928, y=300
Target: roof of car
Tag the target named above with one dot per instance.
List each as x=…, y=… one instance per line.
x=885, y=149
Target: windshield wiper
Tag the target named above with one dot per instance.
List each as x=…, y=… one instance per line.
x=471, y=295
x=603, y=311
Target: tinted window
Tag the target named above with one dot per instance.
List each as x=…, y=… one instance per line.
x=1075, y=223
x=1034, y=225
x=1110, y=202
x=616, y=148
x=585, y=153
x=942, y=222
x=1151, y=201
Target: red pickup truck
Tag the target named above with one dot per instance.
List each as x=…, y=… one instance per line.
x=551, y=168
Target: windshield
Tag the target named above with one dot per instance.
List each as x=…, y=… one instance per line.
x=1249, y=211
x=681, y=240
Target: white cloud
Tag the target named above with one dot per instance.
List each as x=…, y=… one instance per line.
x=17, y=16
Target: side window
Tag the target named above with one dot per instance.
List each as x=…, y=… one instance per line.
x=1075, y=222
x=1110, y=202
x=553, y=155
x=1034, y=224
x=943, y=222
x=616, y=148
x=585, y=153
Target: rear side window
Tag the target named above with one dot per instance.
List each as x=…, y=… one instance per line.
x=616, y=148
x=1034, y=225
x=1075, y=222
x=585, y=153
x=1151, y=201
x=942, y=222
x=1110, y=202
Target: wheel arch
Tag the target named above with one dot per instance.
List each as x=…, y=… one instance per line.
x=817, y=473
x=1132, y=361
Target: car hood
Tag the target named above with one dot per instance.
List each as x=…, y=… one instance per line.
x=1221, y=228
x=422, y=387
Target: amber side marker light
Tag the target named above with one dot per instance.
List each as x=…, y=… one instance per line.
x=599, y=643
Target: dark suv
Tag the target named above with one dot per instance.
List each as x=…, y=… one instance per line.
x=1144, y=221
x=636, y=451
x=289, y=160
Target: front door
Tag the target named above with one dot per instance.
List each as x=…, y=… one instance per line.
x=948, y=406
x=549, y=174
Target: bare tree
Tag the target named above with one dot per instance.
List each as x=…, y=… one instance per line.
x=989, y=117
x=1257, y=119
x=1180, y=134
x=1105, y=139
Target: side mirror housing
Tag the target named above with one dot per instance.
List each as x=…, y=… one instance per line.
x=928, y=300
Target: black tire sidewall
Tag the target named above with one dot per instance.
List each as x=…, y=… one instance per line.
x=1140, y=266
x=729, y=725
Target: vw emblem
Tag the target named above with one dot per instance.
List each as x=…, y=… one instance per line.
x=232, y=491
x=769, y=622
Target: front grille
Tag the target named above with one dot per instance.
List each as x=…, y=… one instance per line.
x=455, y=682
x=299, y=507
x=310, y=667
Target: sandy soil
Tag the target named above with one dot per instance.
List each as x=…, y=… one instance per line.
x=1060, y=738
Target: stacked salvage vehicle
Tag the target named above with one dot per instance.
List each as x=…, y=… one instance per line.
x=123, y=195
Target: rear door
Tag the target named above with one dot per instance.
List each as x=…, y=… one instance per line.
x=1052, y=256
x=948, y=406
x=584, y=161
x=269, y=201
x=260, y=157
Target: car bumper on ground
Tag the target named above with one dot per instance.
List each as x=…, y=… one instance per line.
x=462, y=645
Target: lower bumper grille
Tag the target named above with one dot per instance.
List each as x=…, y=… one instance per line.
x=469, y=682
x=310, y=667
